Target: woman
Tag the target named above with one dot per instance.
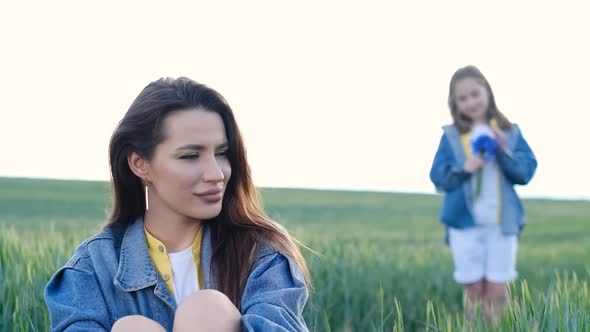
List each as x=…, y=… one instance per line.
x=187, y=246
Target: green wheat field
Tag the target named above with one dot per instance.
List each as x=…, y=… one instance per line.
x=382, y=263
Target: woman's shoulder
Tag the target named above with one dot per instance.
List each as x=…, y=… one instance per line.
x=268, y=255
x=267, y=248
x=274, y=264
x=108, y=238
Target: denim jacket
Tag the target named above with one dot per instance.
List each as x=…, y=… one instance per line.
x=111, y=275
x=517, y=164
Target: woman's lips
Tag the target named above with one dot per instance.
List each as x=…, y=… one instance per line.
x=211, y=196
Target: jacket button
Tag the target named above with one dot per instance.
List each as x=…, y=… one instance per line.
x=161, y=248
x=166, y=277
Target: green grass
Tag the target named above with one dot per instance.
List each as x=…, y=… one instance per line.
x=384, y=265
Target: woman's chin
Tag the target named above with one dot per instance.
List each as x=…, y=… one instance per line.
x=208, y=213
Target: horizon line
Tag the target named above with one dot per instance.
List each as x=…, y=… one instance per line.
x=328, y=188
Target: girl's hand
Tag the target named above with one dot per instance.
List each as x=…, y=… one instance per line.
x=473, y=164
x=500, y=137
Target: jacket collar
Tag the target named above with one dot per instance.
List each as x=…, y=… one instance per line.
x=454, y=139
x=136, y=270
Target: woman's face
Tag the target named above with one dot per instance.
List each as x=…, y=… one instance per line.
x=472, y=99
x=190, y=169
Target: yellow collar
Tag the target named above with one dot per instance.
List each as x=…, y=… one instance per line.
x=159, y=256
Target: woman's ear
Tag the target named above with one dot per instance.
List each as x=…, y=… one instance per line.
x=139, y=166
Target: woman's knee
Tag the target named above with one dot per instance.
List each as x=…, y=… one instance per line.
x=209, y=309
x=137, y=323
x=206, y=299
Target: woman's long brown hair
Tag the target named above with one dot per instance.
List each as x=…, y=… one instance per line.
x=462, y=122
x=242, y=227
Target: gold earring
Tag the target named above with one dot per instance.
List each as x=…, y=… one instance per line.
x=147, y=204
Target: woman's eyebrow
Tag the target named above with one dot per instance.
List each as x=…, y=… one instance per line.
x=191, y=147
x=200, y=147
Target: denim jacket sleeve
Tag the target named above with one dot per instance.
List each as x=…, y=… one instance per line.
x=274, y=296
x=446, y=173
x=75, y=301
x=519, y=165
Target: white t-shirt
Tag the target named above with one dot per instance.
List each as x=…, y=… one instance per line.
x=486, y=205
x=184, y=274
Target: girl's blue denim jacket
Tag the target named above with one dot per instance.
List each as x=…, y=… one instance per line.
x=517, y=164
x=111, y=275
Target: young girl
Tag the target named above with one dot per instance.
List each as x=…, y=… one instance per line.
x=187, y=246
x=481, y=210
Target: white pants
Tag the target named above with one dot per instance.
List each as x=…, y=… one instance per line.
x=483, y=252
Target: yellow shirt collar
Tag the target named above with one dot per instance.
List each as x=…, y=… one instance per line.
x=161, y=261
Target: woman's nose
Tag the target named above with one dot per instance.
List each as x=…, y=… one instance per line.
x=213, y=172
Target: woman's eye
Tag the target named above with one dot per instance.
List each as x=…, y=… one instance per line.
x=190, y=156
x=222, y=153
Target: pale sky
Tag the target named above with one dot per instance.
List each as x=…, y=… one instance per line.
x=342, y=94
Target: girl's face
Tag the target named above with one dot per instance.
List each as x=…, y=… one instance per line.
x=472, y=99
x=190, y=169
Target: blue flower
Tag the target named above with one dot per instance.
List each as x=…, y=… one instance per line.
x=485, y=146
